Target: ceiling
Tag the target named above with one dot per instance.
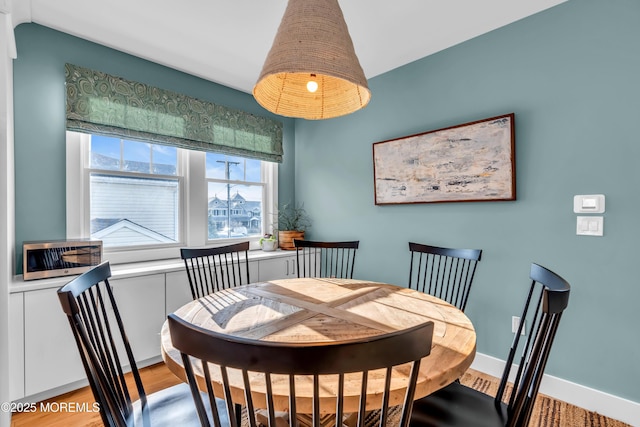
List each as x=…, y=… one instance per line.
x=226, y=41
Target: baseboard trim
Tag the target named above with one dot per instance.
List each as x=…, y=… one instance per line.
x=585, y=397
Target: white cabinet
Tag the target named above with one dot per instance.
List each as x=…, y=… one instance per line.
x=254, y=269
x=16, y=346
x=178, y=291
x=44, y=358
x=283, y=267
x=51, y=357
x=141, y=302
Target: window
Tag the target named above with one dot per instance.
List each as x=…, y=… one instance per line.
x=235, y=197
x=134, y=193
x=145, y=201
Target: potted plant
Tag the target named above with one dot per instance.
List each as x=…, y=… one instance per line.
x=293, y=220
x=268, y=242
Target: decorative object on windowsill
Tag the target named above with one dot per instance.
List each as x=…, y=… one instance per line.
x=268, y=242
x=312, y=71
x=293, y=220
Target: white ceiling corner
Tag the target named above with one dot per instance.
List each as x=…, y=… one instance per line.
x=227, y=41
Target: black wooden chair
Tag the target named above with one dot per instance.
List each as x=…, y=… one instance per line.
x=459, y=406
x=105, y=351
x=325, y=259
x=443, y=272
x=213, y=269
x=241, y=359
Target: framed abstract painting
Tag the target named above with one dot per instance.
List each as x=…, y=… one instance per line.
x=471, y=162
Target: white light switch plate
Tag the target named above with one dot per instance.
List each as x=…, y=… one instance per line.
x=590, y=225
x=593, y=203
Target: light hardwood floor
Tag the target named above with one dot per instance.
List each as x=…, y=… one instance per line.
x=154, y=378
x=548, y=412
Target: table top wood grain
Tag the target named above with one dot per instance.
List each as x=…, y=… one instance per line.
x=328, y=310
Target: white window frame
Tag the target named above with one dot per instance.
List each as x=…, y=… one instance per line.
x=193, y=208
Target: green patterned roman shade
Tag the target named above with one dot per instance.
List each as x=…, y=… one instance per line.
x=108, y=105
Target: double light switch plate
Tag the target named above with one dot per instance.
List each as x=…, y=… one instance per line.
x=589, y=204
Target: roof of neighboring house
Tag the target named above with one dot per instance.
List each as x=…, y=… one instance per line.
x=105, y=227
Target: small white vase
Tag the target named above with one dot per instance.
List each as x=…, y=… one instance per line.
x=269, y=245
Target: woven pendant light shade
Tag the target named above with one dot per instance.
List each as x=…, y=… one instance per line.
x=312, y=43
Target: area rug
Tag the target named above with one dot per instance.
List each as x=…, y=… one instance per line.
x=547, y=412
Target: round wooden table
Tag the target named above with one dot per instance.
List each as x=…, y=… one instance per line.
x=326, y=310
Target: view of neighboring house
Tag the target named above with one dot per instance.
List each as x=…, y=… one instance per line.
x=243, y=216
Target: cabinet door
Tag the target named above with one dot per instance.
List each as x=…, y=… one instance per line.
x=141, y=303
x=16, y=346
x=51, y=355
x=254, y=270
x=178, y=291
x=278, y=268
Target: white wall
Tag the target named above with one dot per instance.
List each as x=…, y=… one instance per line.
x=7, y=51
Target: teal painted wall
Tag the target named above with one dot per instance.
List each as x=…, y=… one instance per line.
x=39, y=107
x=570, y=74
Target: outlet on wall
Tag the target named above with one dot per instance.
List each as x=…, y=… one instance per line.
x=515, y=322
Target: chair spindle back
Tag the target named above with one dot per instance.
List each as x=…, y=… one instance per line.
x=443, y=272
x=272, y=374
x=213, y=269
x=97, y=327
x=547, y=298
x=325, y=259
